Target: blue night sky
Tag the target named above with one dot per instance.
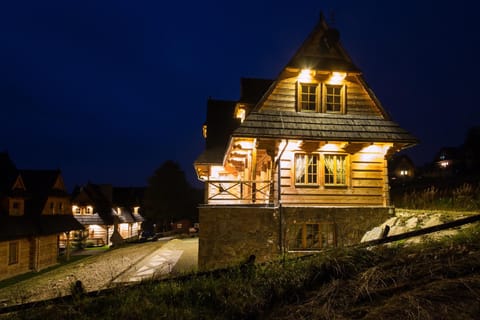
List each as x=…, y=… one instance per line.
x=109, y=90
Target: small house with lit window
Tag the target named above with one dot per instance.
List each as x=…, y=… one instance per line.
x=104, y=209
x=35, y=218
x=298, y=163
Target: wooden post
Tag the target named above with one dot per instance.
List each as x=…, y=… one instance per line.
x=67, y=246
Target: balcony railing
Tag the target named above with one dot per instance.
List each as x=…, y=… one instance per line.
x=238, y=192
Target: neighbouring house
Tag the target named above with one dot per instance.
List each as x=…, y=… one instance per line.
x=401, y=168
x=102, y=209
x=34, y=218
x=298, y=163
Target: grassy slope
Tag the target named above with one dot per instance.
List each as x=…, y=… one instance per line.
x=432, y=280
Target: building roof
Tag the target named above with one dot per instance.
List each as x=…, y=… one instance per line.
x=321, y=126
x=39, y=185
x=8, y=171
x=14, y=227
x=105, y=198
x=252, y=89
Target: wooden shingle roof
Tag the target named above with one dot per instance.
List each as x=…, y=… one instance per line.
x=322, y=126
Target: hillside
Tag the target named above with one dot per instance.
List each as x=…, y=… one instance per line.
x=434, y=279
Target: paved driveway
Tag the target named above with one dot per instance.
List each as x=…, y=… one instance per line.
x=176, y=256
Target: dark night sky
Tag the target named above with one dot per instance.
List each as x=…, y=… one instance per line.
x=108, y=90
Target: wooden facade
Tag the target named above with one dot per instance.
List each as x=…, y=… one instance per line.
x=104, y=208
x=34, y=215
x=315, y=137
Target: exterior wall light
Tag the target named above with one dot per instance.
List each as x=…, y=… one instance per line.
x=305, y=75
x=337, y=77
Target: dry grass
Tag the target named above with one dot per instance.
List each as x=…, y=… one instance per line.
x=431, y=280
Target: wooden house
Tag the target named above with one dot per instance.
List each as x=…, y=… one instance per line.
x=298, y=163
x=34, y=216
x=104, y=208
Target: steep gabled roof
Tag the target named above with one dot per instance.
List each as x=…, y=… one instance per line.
x=104, y=198
x=252, y=89
x=14, y=227
x=39, y=185
x=322, y=50
x=8, y=173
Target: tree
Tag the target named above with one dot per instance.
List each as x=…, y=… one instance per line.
x=169, y=197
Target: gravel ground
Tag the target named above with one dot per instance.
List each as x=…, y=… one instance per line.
x=95, y=271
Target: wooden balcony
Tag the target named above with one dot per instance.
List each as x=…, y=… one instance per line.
x=238, y=192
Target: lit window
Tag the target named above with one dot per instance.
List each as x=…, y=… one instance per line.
x=335, y=169
x=306, y=169
x=308, y=97
x=333, y=99
x=77, y=210
x=13, y=249
x=310, y=236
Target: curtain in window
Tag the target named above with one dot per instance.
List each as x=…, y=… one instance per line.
x=340, y=170
x=330, y=164
x=300, y=168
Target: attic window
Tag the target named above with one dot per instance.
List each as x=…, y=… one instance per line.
x=333, y=98
x=307, y=97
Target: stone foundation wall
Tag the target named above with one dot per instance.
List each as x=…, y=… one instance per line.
x=230, y=234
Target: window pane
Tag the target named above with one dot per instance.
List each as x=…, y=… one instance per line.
x=13, y=253
x=308, y=97
x=333, y=98
x=300, y=168
x=335, y=169
x=306, y=169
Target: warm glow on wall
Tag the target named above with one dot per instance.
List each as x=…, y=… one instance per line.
x=243, y=144
x=305, y=75
x=94, y=228
x=215, y=171
x=374, y=152
x=74, y=209
x=331, y=147
x=337, y=78
x=240, y=113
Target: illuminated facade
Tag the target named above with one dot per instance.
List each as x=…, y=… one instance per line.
x=102, y=208
x=301, y=160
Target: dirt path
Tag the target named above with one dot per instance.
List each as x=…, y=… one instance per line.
x=96, y=272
